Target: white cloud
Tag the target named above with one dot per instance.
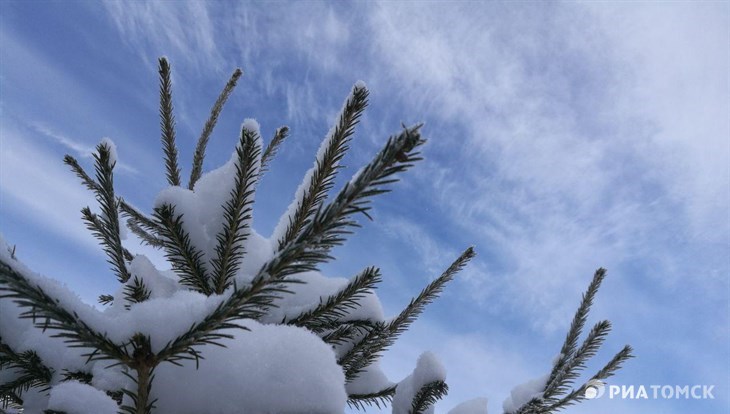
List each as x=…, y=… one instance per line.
x=42, y=190
x=182, y=30
x=79, y=148
x=556, y=171
x=679, y=57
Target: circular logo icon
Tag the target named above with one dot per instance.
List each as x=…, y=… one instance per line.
x=594, y=389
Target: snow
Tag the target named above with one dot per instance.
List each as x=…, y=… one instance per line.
x=77, y=398
x=523, y=393
x=475, y=406
x=428, y=369
x=251, y=125
x=202, y=208
x=271, y=368
x=371, y=379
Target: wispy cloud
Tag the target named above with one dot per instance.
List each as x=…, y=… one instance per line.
x=78, y=148
x=182, y=30
x=553, y=171
x=49, y=195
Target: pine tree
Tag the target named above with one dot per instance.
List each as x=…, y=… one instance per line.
x=214, y=268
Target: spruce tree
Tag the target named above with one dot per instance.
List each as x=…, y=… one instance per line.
x=232, y=287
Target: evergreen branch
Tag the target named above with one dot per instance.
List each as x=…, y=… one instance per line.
x=578, y=395
x=197, y=170
x=11, y=400
x=237, y=212
x=576, y=326
x=270, y=152
x=244, y=303
x=378, y=399
x=106, y=228
x=327, y=164
x=331, y=223
x=615, y=363
x=575, y=396
x=135, y=292
x=105, y=299
x=369, y=348
x=428, y=395
x=146, y=237
x=98, y=230
x=338, y=305
x=571, y=370
x=145, y=223
x=167, y=123
x=47, y=313
x=309, y=248
x=79, y=171
x=186, y=260
x=31, y=373
x=340, y=332
x=80, y=376
x=135, y=215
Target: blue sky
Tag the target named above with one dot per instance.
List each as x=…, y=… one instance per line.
x=562, y=137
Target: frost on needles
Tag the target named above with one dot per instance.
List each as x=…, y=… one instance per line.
x=241, y=323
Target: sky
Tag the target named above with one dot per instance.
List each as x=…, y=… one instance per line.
x=562, y=137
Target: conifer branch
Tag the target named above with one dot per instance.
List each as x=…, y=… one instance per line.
x=340, y=304
x=79, y=171
x=30, y=373
x=242, y=304
x=144, y=236
x=379, y=399
x=105, y=299
x=369, y=348
x=145, y=225
x=572, y=360
x=11, y=400
x=80, y=376
x=106, y=228
x=332, y=222
x=578, y=395
x=237, y=212
x=341, y=332
x=428, y=395
x=98, y=230
x=186, y=260
x=576, y=327
x=325, y=169
x=167, y=123
x=571, y=370
x=136, y=292
x=615, y=363
x=199, y=155
x=270, y=152
x=47, y=313
x=311, y=247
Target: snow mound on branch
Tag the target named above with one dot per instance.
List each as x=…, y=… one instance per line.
x=523, y=393
x=77, y=398
x=271, y=368
x=428, y=369
x=203, y=209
